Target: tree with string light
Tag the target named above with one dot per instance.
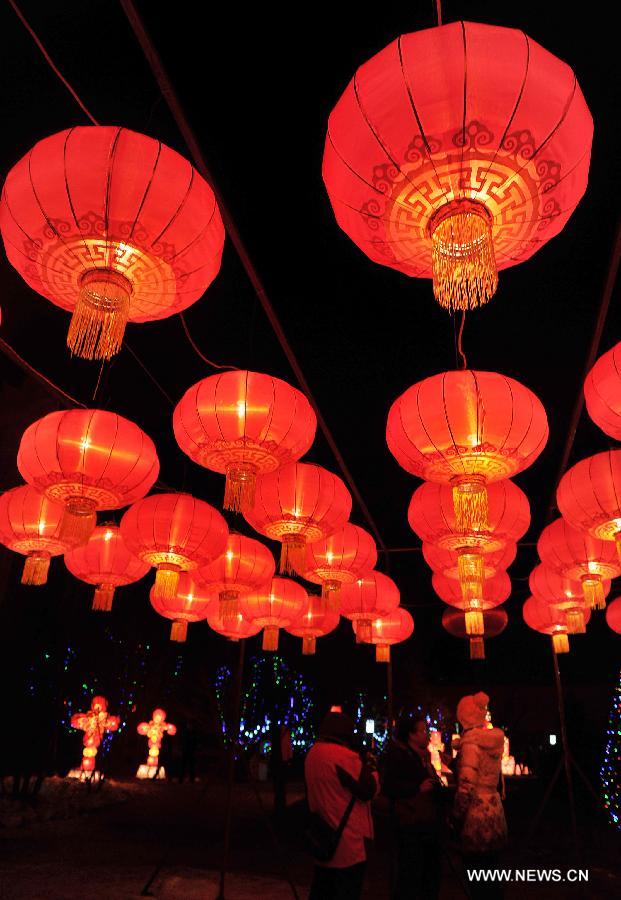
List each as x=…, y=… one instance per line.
x=610, y=773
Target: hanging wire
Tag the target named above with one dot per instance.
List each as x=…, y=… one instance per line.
x=197, y=350
x=460, y=348
x=15, y=357
x=438, y=5
x=149, y=373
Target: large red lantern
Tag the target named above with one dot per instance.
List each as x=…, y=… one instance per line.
x=475, y=600
x=275, y=606
x=494, y=623
x=244, y=566
x=235, y=628
x=175, y=533
x=190, y=603
x=243, y=424
x=457, y=151
x=562, y=593
x=30, y=524
x=467, y=429
x=447, y=562
x=339, y=559
x=87, y=459
x=578, y=555
x=546, y=619
x=395, y=628
x=370, y=597
x=298, y=504
x=602, y=392
x=613, y=615
x=315, y=621
x=105, y=562
x=113, y=226
x=589, y=496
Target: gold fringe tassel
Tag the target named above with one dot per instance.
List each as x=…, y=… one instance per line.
x=470, y=505
x=166, y=582
x=593, y=591
x=78, y=521
x=465, y=274
x=309, y=645
x=239, y=488
x=270, y=638
x=103, y=597
x=382, y=653
x=228, y=605
x=179, y=631
x=560, y=642
x=36, y=567
x=474, y=622
x=618, y=543
x=100, y=315
x=575, y=621
x=477, y=648
x=292, y=554
x=331, y=593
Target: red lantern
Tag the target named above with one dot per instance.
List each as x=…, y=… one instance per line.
x=235, y=628
x=395, y=628
x=315, y=621
x=457, y=151
x=494, y=623
x=113, y=226
x=275, y=606
x=175, y=533
x=545, y=619
x=298, y=504
x=447, y=562
x=561, y=593
x=613, y=615
x=370, y=597
x=246, y=565
x=30, y=524
x=589, y=496
x=467, y=429
x=581, y=557
x=87, y=459
x=190, y=603
x=105, y=562
x=243, y=424
x=602, y=392
x=339, y=559
x=474, y=600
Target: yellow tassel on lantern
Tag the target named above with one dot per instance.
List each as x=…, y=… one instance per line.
x=103, y=597
x=239, y=487
x=331, y=593
x=78, y=521
x=229, y=605
x=100, y=315
x=474, y=622
x=575, y=621
x=166, y=581
x=292, y=553
x=36, y=567
x=560, y=642
x=617, y=538
x=470, y=566
x=179, y=631
x=593, y=591
x=363, y=631
x=477, y=648
x=309, y=645
x=270, y=638
x=382, y=653
x=470, y=504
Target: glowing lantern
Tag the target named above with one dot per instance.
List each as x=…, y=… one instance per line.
x=244, y=566
x=113, y=226
x=243, y=424
x=277, y=605
x=339, y=559
x=30, y=524
x=455, y=152
x=589, y=496
x=87, y=459
x=105, y=562
x=299, y=504
x=235, y=628
x=613, y=615
x=447, y=562
x=395, y=628
x=561, y=593
x=94, y=724
x=370, y=597
x=315, y=621
x=494, y=623
x=154, y=731
x=491, y=593
x=189, y=604
x=175, y=533
x=581, y=557
x=467, y=429
x=545, y=619
x=602, y=392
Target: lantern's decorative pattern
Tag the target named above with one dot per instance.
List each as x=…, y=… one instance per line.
x=395, y=628
x=154, y=731
x=494, y=623
x=30, y=524
x=455, y=152
x=175, y=533
x=87, y=459
x=298, y=504
x=246, y=565
x=113, y=226
x=589, y=496
x=613, y=615
x=561, y=593
x=190, y=603
x=546, y=619
x=243, y=424
x=316, y=620
x=339, y=559
x=370, y=597
x=105, y=562
x=235, y=628
x=602, y=392
x=581, y=557
x=275, y=606
x=94, y=724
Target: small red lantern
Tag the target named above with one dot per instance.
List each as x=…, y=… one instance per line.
x=243, y=424
x=275, y=606
x=467, y=429
x=602, y=392
x=370, y=597
x=30, y=524
x=473, y=599
x=175, y=533
x=246, y=565
x=298, y=504
x=87, y=459
x=581, y=557
x=395, y=628
x=613, y=615
x=563, y=594
x=105, y=562
x=113, y=226
x=235, y=628
x=447, y=562
x=494, y=623
x=190, y=603
x=545, y=619
x=315, y=621
x=339, y=559
x=589, y=496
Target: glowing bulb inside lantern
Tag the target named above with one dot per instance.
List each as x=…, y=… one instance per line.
x=85, y=443
x=229, y=555
x=241, y=409
x=108, y=535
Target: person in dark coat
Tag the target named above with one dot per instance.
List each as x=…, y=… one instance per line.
x=413, y=788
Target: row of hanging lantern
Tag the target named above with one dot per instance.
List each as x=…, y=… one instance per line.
x=581, y=551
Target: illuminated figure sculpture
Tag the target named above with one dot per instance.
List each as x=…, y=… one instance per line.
x=93, y=723
x=155, y=731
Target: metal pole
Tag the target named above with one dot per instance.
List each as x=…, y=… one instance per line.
x=390, y=696
x=566, y=754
